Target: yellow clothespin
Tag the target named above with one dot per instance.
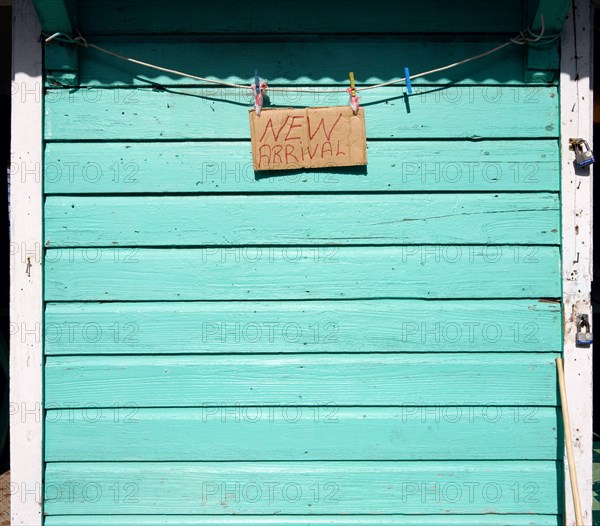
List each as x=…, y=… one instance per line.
x=352, y=86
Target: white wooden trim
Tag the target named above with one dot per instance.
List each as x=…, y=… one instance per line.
x=576, y=121
x=26, y=269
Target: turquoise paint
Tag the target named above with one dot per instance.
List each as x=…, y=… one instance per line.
x=396, y=295
x=303, y=219
x=302, y=433
x=195, y=520
x=405, y=166
x=382, y=17
x=308, y=272
x=220, y=113
x=344, y=487
x=340, y=380
x=304, y=60
x=377, y=326
x=56, y=15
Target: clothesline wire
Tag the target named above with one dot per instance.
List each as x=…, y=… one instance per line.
x=524, y=37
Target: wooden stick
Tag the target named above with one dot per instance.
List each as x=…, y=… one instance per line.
x=568, y=442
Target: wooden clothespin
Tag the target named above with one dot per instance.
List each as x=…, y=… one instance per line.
x=354, y=98
x=352, y=86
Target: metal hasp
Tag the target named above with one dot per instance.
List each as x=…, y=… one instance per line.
x=584, y=336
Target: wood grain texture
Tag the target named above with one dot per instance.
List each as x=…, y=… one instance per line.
x=344, y=487
x=532, y=218
x=304, y=59
x=346, y=380
x=358, y=399
x=303, y=327
x=193, y=113
x=383, y=16
x=100, y=274
x=302, y=433
x=280, y=520
x=457, y=166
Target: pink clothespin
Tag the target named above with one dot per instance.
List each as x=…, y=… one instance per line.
x=258, y=88
x=354, y=98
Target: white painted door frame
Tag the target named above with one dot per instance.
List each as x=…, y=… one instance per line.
x=26, y=269
x=576, y=121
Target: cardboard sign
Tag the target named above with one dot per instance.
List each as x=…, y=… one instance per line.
x=289, y=139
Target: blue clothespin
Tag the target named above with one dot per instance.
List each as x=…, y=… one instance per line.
x=407, y=78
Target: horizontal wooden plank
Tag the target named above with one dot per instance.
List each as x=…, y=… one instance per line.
x=301, y=327
x=281, y=520
x=302, y=433
x=341, y=488
x=383, y=16
x=440, y=271
x=341, y=380
x=302, y=60
x=74, y=221
x=221, y=113
x=80, y=167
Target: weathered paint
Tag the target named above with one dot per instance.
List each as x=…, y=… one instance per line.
x=304, y=60
x=577, y=195
x=302, y=433
x=303, y=219
x=280, y=520
x=26, y=300
x=211, y=167
x=220, y=113
x=376, y=326
x=343, y=487
x=183, y=291
x=93, y=273
x=356, y=380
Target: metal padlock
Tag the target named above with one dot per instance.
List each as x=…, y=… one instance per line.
x=584, y=336
x=583, y=155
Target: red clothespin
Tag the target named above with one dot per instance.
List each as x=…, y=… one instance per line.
x=258, y=88
x=354, y=98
